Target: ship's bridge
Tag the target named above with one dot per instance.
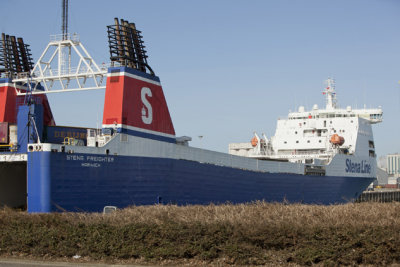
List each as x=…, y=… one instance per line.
x=332, y=110
x=372, y=115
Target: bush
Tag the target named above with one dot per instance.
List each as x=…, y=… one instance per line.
x=246, y=234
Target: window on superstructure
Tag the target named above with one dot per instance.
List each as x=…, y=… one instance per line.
x=308, y=141
x=320, y=141
x=372, y=153
x=284, y=142
x=295, y=132
x=297, y=141
x=324, y=123
x=371, y=144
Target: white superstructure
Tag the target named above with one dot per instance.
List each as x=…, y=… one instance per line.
x=318, y=135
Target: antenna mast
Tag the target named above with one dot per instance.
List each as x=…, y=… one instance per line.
x=64, y=27
x=330, y=94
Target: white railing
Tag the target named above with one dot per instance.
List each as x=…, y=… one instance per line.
x=68, y=71
x=296, y=152
x=61, y=37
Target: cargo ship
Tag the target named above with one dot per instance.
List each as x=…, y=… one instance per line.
x=135, y=158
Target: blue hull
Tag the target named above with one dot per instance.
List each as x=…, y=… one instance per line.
x=58, y=184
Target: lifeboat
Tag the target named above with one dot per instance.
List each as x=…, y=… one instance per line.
x=254, y=141
x=337, y=140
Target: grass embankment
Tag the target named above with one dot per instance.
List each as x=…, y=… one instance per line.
x=251, y=234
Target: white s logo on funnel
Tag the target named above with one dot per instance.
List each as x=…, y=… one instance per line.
x=147, y=110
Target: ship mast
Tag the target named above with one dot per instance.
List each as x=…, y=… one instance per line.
x=330, y=94
x=64, y=23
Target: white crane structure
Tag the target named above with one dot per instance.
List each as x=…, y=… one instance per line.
x=65, y=65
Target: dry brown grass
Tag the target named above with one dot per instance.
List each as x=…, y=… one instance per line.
x=246, y=234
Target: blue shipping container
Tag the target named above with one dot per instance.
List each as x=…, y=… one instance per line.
x=57, y=134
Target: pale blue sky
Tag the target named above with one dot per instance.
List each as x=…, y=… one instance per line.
x=229, y=68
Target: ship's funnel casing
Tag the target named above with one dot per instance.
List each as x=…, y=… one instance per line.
x=135, y=104
x=9, y=102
